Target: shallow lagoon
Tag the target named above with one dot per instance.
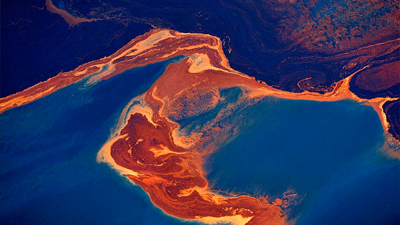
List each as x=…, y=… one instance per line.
x=327, y=152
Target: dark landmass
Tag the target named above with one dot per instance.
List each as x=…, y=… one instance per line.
x=392, y=111
x=279, y=42
x=294, y=46
x=37, y=44
x=379, y=80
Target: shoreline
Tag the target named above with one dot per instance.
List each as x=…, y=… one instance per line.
x=204, y=70
x=152, y=47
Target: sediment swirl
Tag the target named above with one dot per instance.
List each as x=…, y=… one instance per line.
x=168, y=164
x=149, y=147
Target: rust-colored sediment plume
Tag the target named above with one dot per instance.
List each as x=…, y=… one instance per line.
x=155, y=46
x=167, y=165
x=150, y=148
x=162, y=44
x=71, y=20
x=173, y=177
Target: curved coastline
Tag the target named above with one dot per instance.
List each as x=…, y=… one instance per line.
x=162, y=44
x=166, y=164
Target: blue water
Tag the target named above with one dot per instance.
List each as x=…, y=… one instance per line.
x=49, y=173
x=328, y=152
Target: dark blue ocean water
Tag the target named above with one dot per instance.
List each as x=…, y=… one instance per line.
x=327, y=152
x=49, y=173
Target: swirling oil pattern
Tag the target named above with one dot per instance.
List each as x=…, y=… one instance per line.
x=207, y=143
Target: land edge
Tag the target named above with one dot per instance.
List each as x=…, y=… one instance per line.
x=135, y=54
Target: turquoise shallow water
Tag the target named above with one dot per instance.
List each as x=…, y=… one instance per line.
x=327, y=152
